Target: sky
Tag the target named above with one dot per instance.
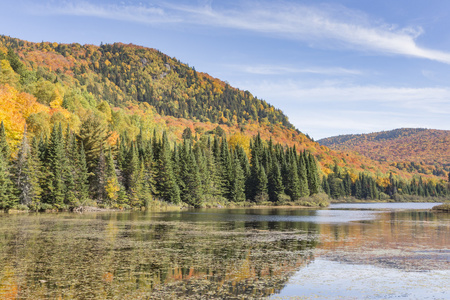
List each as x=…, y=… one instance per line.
x=333, y=67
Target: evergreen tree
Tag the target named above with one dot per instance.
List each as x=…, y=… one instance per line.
x=71, y=169
x=313, y=176
x=83, y=177
x=112, y=186
x=237, y=193
x=166, y=184
x=7, y=192
x=55, y=188
x=26, y=175
x=4, y=146
x=134, y=177
x=98, y=185
x=93, y=134
x=293, y=183
x=303, y=176
x=325, y=185
x=191, y=188
x=275, y=182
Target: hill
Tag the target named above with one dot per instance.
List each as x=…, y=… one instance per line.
x=141, y=124
x=426, y=151
x=137, y=87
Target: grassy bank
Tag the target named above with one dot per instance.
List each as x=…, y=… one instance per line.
x=443, y=207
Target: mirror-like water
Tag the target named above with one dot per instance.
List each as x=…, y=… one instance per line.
x=373, y=251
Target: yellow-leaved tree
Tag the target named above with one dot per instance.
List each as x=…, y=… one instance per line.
x=15, y=108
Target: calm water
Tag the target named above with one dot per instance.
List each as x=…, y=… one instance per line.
x=349, y=251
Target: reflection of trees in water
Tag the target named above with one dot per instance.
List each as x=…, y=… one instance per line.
x=113, y=256
x=396, y=240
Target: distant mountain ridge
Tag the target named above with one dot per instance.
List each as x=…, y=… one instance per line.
x=424, y=150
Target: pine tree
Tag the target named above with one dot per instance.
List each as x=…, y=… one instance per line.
x=313, y=176
x=83, y=177
x=275, y=182
x=133, y=177
x=98, y=181
x=325, y=185
x=303, y=176
x=7, y=192
x=4, y=146
x=71, y=169
x=7, y=197
x=26, y=175
x=55, y=187
x=191, y=188
x=112, y=186
x=93, y=134
x=293, y=182
x=237, y=192
x=166, y=184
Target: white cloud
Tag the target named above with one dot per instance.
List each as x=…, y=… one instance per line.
x=279, y=69
x=331, y=108
x=324, y=25
x=433, y=100
x=131, y=13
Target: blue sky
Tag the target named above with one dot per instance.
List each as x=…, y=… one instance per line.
x=334, y=67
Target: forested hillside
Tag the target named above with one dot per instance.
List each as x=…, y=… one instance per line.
x=426, y=151
x=123, y=125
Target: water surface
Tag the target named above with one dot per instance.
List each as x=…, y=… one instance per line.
x=373, y=251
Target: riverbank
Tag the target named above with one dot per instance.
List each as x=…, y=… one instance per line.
x=445, y=207
x=315, y=201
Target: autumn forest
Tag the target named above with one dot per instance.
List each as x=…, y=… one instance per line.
x=123, y=126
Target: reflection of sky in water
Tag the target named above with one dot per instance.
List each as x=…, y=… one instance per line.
x=336, y=213
x=323, y=279
x=312, y=216
x=340, y=216
x=385, y=206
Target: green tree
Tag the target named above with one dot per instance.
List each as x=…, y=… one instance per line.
x=293, y=182
x=55, y=157
x=93, y=134
x=303, y=176
x=166, y=184
x=237, y=193
x=275, y=182
x=26, y=174
x=7, y=192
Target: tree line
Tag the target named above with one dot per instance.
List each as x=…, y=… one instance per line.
x=67, y=170
x=339, y=184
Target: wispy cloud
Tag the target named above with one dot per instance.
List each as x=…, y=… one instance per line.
x=330, y=108
x=323, y=25
x=131, y=13
x=279, y=69
x=432, y=100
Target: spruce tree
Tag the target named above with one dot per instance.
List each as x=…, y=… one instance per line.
x=26, y=174
x=237, y=192
x=4, y=146
x=303, y=176
x=293, y=182
x=83, y=177
x=313, y=176
x=191, y=192
x=166, y=184
x=7, y=192
x=112, y=186
x=133, y=176
x=275, y=182
x=98, y=182
x=54, y=161
x=71, y=169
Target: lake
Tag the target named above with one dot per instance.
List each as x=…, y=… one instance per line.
x=346, y=251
